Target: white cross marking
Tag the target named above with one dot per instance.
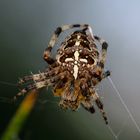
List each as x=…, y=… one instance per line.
x=75, y=68
x=76, y=55
x=77, y=43
x=75, y=60
x=83, y=60
x=78, y=37
x=75, y=74
x=68, y=59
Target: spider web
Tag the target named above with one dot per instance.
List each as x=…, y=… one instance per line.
x=117, y=134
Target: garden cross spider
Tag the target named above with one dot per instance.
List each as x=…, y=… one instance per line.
x=75, y=71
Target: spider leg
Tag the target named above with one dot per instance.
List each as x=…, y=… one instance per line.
x=85, y=83
x=39, y=76
x=106, y=74
x=99, y=74
x=35, y=85
x=104, y=45
x=62, y=84
x=84, y=87
x=88, y=105
x=97, y=78
x=37, y=81
x=99, y=104
x=32, y=77
x=47, y=54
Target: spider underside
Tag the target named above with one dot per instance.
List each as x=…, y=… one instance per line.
x=75, y=71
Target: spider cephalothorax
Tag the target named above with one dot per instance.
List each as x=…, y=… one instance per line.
x=75, y=71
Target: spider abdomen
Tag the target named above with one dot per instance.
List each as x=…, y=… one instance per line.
x=77, y=53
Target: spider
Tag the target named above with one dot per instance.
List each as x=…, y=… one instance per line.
x=75, y=71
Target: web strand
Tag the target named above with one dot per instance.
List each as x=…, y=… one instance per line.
x=7, y=83
x=112, y=132
x=125, y=106
x=116, y=136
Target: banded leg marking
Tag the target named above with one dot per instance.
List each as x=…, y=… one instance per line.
x=97, y=78
x=36, y=86
x=99, y=104
x=88, y=105
x=104, y=45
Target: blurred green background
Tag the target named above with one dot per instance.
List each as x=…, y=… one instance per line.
x=25, y=29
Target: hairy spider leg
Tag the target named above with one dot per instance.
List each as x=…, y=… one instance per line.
x=84, y=86
x=36, y=86
x=100, y=74
x=39, y=76
x=70, y=97
x=88, y=105
x=47, y=54
x=86, y=102
x=97, y=78
x=62, y=84
x=38, y=82
x=32, y=77
x=99, y=104
x=106, y=74
x=104, y=45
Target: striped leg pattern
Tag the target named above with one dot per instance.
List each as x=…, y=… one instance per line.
x=100, y=106
x=104, y=45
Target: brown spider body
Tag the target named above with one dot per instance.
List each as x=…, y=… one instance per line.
x=78, y=55
x=76, y=70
